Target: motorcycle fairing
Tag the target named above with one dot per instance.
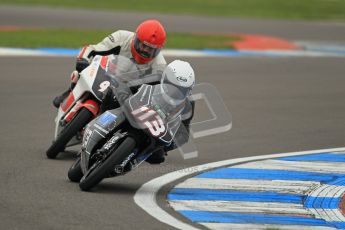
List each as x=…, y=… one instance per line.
x=98, y=130
x=99, y=82
x=172, y=127
x=85, y=82
x=100, y=127
x=143, y=98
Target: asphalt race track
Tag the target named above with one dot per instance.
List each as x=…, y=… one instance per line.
x=277, y=105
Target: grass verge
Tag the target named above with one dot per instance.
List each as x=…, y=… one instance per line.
x=65, y=38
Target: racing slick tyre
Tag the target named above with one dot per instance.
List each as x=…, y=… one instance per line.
x=75, y=173
x=76, y=124
x=102, y=169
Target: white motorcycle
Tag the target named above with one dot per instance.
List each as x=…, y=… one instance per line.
x=82, y=104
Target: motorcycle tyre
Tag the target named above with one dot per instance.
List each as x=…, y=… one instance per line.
x=76, y=124
x=93, y=178
x=75, y=173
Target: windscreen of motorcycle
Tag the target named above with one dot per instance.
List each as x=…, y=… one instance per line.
x=149, y=109
x=169, y=98
x=123, y=69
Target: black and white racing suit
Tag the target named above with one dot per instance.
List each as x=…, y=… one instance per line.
x=182, y=134
x=119, y=43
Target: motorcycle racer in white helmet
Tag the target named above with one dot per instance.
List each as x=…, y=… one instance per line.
x=176, y=85
x=177, y=75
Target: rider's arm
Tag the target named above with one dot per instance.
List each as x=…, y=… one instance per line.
x=110, y=45
x=182, y=134
x=122, y=91
x=149, y=79
x=108, y=101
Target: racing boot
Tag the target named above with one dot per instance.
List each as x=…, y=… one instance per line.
x=59, y=99
x=157, y=157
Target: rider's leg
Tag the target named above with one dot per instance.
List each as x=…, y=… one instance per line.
x=157, y=157
x=59, y=99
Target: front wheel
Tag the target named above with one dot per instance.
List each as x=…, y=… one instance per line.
x=102, y=169
x=75, y=173
x=73, y=127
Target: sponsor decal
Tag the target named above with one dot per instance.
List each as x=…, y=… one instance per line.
x=92, y=71
x=123, y=164
x=111, y=38
x=106, y=120
x=87, y=135
x=181, y=79
x=94, y=66
x=111, y=142
x=158, y=109
x=120, y=168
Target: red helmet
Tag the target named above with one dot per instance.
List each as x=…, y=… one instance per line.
x=148, y=41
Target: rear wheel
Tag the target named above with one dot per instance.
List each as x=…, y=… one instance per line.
x=76, y=124
x=102, y=169
x=75, y=173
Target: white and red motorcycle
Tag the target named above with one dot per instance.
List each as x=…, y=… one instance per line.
x=82, y=104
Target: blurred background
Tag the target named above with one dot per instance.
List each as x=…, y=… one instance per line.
x=190, y=24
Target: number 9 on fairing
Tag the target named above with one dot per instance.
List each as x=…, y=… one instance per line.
x=103, y=86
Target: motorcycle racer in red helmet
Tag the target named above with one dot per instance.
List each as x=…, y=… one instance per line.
x=148, y=41
x=143, y=46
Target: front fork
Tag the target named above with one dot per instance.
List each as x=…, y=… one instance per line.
x=141, y=154
x=89, y=104
x=62, y=119
x=101, y=154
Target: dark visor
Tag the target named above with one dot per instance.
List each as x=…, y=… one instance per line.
x=145, y=50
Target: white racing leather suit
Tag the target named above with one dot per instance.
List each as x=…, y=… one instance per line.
x=118, y=43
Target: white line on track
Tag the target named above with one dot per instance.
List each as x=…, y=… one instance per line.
x=303, y=166
x=240, y=206
x=281, y=186
x=145, y=197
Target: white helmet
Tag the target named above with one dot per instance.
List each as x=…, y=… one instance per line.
x=177, y=81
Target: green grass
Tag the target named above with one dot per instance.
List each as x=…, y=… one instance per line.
x=288, y=9
x=64, y=38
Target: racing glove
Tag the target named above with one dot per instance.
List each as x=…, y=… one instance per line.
x=81, y=64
